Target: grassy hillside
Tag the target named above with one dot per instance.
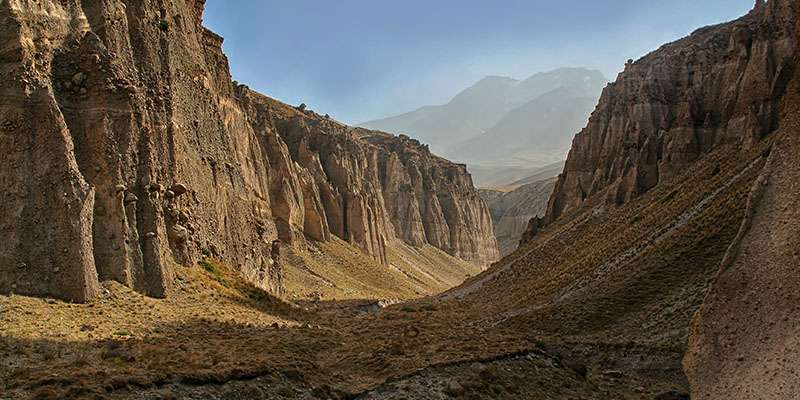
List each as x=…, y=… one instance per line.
x=337, y=271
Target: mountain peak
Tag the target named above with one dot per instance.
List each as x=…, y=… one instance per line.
x=476, y=110
x=496, y=79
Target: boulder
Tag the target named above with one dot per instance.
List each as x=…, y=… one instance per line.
x=454, y=388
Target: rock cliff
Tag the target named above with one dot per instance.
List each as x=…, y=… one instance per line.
x=512, y=211
x=128, y=149
x=369, y=187
x=743, y=342
x=730, y=86
x=721, y=84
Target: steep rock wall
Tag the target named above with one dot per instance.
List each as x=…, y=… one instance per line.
x=722, y=84
x=743, y=342
x=370, y=187
x=431, y=200
x=127, y=149
x=512, y=211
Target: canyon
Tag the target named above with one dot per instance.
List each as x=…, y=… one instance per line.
x=156, y=215
x=513, y=210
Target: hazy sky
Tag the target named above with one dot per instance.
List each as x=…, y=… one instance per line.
x=364, y=59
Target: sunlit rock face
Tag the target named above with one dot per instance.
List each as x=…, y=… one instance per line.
x=127, y=149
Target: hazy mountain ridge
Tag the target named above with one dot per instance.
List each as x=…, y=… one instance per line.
x=499, y=109
x=468, y=114
x=507, y=178
x=538, y=132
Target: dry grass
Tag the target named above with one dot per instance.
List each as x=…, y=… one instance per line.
x=336, y=271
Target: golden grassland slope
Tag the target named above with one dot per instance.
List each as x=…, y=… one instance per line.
x=223, y=331
x=334, y=270
x=637, y=272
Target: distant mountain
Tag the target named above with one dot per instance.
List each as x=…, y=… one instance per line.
x=508, y=178
x=505, y=109
x=505, y=128
x=541, y=174
x=468, y=115
x=538, y=132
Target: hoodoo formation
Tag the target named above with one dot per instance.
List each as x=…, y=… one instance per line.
x=173, y=210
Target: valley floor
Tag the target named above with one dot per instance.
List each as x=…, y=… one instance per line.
x=218, y=337
x=337, y=271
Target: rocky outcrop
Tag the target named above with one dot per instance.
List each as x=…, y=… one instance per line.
x=512, y=211
x=431, y=200
x=368, y=187
x=725, y=84
x=720, y=85
x=127, y=149
x=141, y=160
x=743, y=342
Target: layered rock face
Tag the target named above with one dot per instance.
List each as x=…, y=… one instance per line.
x=722, y=84
x=744, y=342
x=512, y=211
x=431, y=200
x=369, y=187
x=725, y=84
x=127, y=149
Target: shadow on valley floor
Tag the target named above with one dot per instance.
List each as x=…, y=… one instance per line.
x=595, y=308
x=333, y=350
x=202, y=357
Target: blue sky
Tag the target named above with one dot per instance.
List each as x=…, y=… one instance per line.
x=364, y=59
